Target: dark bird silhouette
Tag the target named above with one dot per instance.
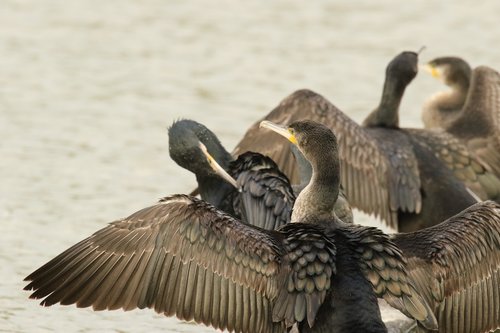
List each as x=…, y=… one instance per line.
x=410, y=178
x=470, y=111
x=184, y=257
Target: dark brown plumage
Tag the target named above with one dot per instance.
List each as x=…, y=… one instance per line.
x=408, y=177
x=258, y=176
x=455, y=264
x=456, y=267
x=265, y=196
x=184, y=257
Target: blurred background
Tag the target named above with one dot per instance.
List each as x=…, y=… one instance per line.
x=88, y=89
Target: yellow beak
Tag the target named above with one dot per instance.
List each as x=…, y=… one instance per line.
x=281, y=130
x=432, y=70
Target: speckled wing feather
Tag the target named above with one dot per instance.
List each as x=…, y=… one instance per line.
x=384, y=266
x=456, y=266
x=311, y=256
x=464, y=164
x=265, y=198
x=483, y=104
x=183, y=257
x=366, y=171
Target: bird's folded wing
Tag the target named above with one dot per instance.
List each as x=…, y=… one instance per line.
x=266, y=197
x=463, y=162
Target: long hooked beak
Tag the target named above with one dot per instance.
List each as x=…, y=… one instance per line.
x=281, y=130
x=217, y=168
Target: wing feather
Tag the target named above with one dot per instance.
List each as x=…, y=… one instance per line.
x=266, y=197
x=183, y=257
x=465, y=165
x=456, y=267
x=384, y=266
x=365, y=168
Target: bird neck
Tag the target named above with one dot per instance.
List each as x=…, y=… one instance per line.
x=318, y=198
x=213, y=189
x=451, y=101
x=387, y=112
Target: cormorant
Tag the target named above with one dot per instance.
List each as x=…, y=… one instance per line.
x=444, y=107
x=185, y=257
x=455, y=265
x=471, y=110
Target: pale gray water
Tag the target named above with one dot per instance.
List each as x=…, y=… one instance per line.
x=87, y=89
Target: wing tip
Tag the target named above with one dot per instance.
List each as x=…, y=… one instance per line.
x=421, y=311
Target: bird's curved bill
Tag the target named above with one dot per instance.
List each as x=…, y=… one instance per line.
x=217, y=168
x=281, y=130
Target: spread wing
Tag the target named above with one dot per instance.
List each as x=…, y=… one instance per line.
x=183, y=257
x=456, y=266
x=383, y=265
x=266, y=197
x=373, y=181
x=464, y=164
x=263, y=141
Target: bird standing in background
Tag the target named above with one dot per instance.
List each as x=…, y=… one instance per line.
x=444, y=107
x=470, y=111
x=409, y=178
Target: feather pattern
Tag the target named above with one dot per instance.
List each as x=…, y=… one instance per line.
x=365, y=169
x=456, y=267
x=185, y=258
x=266, y=197
x=384, y=266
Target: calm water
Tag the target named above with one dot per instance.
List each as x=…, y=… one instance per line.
x=88, y=88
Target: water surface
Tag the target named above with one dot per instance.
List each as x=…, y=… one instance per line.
x=88, y=88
